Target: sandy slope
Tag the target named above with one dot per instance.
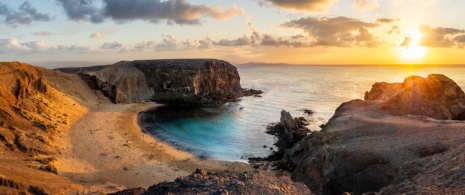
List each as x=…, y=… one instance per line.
x=96, y=144
x=108, y=151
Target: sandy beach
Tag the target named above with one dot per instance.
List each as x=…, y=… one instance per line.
x=108, y=151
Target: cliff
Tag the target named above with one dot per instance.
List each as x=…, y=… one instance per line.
x=37, y=107
x=435, y=96
x=390, y=143
x=175, y=82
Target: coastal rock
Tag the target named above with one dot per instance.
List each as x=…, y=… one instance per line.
x=435, y=96
x=367, y=146
x=228, y=182
x=175, y=82
x=289, y=131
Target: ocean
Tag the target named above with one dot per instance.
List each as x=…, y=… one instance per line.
x=236, y=130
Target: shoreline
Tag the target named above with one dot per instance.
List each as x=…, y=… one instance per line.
x=123, y=155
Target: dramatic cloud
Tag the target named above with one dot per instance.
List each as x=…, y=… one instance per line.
x=154, y=11
x=340, y=31
x=441, y=37
x=366, y=5
x=95, y=35
x=302, y=5
x=25, y=14
x=42, y=33
x=82, y=10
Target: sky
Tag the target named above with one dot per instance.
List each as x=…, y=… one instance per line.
x=87, y=32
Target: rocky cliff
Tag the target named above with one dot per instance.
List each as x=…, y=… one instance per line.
x=392, y=138
x=435, y=96
x=175, y=82
x=36, y=109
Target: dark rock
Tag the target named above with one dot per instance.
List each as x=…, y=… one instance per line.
x=365, y=144
x=228, y=182
x=193, y=82
x=289, y=131
x=133, y=191
x=435, y=96
x=252, y=92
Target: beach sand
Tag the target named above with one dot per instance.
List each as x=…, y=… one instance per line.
x=108, y=151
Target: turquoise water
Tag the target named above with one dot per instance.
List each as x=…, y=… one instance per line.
x=237, y=130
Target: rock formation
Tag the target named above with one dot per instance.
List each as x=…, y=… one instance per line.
x=32, y=111
x=227, y=182
x=36, y=110
x=175, y=82
x=435, y=96
x=368, y=146
x=288, y=131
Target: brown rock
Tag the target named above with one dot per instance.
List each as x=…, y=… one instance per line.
x=435, y=96
x=176, y=82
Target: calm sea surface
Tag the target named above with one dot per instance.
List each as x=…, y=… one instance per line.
x=237, y=130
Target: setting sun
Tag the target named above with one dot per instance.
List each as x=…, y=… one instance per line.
x=410, y=49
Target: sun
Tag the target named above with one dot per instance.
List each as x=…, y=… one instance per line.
x=409, y=48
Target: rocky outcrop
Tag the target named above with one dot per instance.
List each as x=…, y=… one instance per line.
x=32, y=111
x=435, y=96
x=227, y=182
x=36, y=110
x=175, y=82
x=288, y=131
x=388, y=143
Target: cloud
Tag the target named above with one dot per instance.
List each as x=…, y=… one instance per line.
x=387, y=20
x=42, y=33
x=406, y=42
x=147, y=45
x=12, y=45
x=95, y=35
x=241, y=41
x=154, y=11
x=25, y=14
x=394, y=30
x=339, y=31
x=366, y=5
x=302, y=5
x=440, y=37
x=112, y=46
x=82, y=10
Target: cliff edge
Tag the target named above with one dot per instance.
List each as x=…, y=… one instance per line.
x=175, y=82
x=398, y=140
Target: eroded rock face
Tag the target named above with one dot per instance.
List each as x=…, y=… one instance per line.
x=175, y=82
x=435, y=96
x=32, y=111
x=367, y=146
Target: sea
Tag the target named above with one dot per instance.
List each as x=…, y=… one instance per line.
x=237, y=130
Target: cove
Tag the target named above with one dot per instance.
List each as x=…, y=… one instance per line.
x=222, y=133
